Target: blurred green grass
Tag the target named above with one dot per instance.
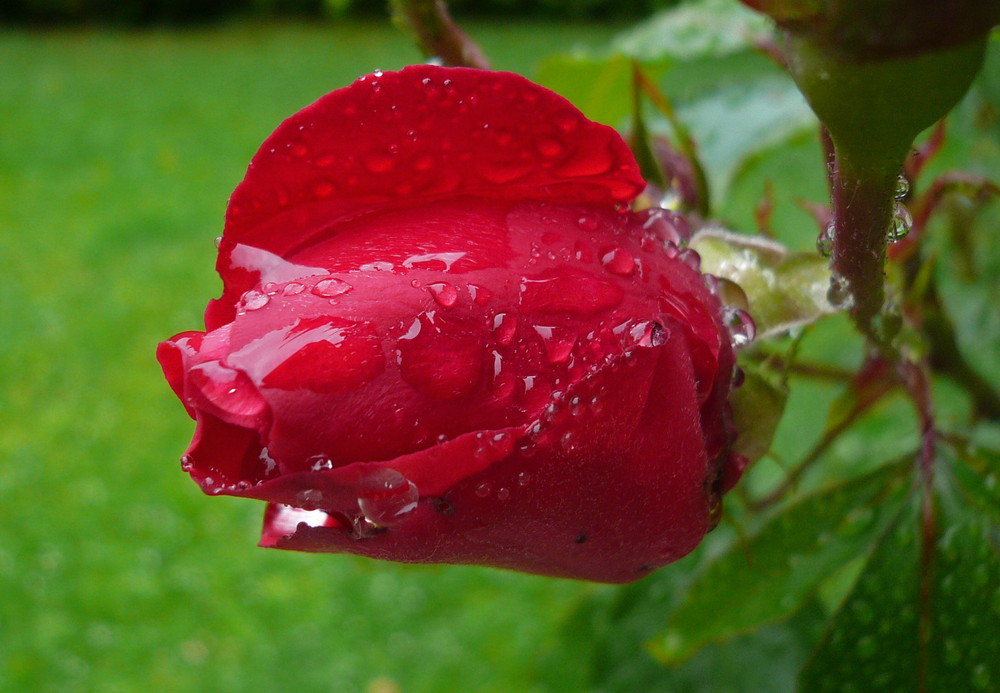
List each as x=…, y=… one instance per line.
x=117, y=154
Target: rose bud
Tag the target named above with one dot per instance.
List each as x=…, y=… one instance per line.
x=443, y=338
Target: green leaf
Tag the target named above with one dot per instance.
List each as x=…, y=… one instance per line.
x=772, y=574
x=707, y=28
x=740, y=119
x=757, y=408
x=601, y=87
x=786, y=290
x=912, y=624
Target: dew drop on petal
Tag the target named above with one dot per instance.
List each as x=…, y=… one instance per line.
x=480, y=294
x=617, y=260
x=504, y=327
x=691, y=258
x=309, y=499
x=328, y=288
x=318, y=463
x=558, y=342
x=570, y=441
x=444, y=294
x=254, y=300
x=386, y=498
x=483, y=490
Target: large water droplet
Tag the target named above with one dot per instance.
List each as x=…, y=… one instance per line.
x=422, y=366
x=558, y=342
x=254, y=300
x=570, y=441
x=645, y=333
x=444, y=294
x=691, y=258
x=824, y=243
x=839, y=293
x=568, y=290
x=742, y=329
x=328, y=288
x=617, y=260
x=902, y=187
x=318, y=463
x=902, y=222
x=309, y=499
x=386, y=498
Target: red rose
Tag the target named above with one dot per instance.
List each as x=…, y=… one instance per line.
x=444, y=339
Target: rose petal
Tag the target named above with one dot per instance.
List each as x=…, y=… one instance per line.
x=392, y=139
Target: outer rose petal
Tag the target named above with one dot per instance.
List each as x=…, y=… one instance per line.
x=423, y=133
x=441, y=363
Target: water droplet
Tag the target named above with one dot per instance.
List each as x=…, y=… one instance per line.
x=386, y=497
x=587, y=223
x=617, y=260
x=570, y=441
x=293, y=289
x=902, y=222
x=558, y=342
x=218, y=241
x=824, y=243
x=902, y=187
x=504, y=327
x=480, y=294
x=596, y=404
x=568, y=290
x=483, y=490
x=503, y=493
x=328, y=288
x=186, y=464
x=839, y=293
x=310, y=499
x=742, y=329
x=444, y=294
x=732, y=294
x=645, y=333
x=523, y=479
x=690, y=257
x=318, y=463
x=253, y=300
x=420, y=359
x=433, y=261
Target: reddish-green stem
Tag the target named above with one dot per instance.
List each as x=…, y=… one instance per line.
x=862, y=212
x=437, y=35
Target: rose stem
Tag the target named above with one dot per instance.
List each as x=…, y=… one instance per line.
x=436, y=33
